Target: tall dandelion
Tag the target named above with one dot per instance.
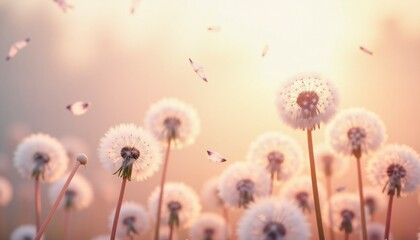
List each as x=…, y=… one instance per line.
x=345, y=210
x=42, y=158
x=396, y=169
x=78, y=196
x=176, y=125
x=271, y=219
x=279, y=154
x=181, y=206
x=133, y=220
x=242, y=183
x=356, y=132
x=131, y=153
x=208, y=226
x=304, y=103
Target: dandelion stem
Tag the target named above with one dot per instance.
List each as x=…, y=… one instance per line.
x=117, y=210
x=171, y=232
x=66, y=224
x=226, y=217
x=330, y=215
x=57, y=202
x=346, y=236
x=272, y=184
x=162, y=185
x=362, y=199
x=37, y=204
x=388, y=217
x=315, y=186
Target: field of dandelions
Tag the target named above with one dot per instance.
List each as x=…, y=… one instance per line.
x=188, y=155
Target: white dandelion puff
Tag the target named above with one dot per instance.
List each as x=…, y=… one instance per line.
x=375, y=201
x=329, y=163
x=299, y=191
x=133, y=220
x=210, y=193
x=24, y=232
x=278, y=153
x=375, y=231
x=242, y=183
x=271, y=219
x=209, y=226
x=173, y=120
x=180, y=205
x=345, y=213
x=130, y=152
x=355, y=132
x=6, y=192
x=395, y=168
x=306, y=101
x=41, y=157
x=79, y=194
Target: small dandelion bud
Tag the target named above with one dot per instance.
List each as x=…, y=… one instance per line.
x=82, y=158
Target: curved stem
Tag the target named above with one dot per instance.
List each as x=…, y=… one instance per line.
x=388, y=217
x=66, y=224
x=57, y=202
x=362, y=199
x=162, y=185
x=37, y=204
x=315, y=186
x=330, y=215
x=117, y=210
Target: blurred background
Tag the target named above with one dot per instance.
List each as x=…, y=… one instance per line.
x=122, y=63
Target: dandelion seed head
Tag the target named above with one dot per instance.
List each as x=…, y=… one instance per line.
x=78, y=196
x=133, y=219
x=306, y=101
x=299, y=191
x=278, y=153
x=375, y=201
x=41, y=157
x=210, y=193
x=180, y=204
x=329, y=163
x=242, y=183
x=355, y=132
x=24, y=232
x=345, y=211
x=174, y=120
x=6, y=192
x=269, y=218
x=209, y=226
x=130, y=151
x=395, y=168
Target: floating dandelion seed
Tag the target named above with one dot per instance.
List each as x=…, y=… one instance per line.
x=210, y=193
x=215, y=157
x=24, y=232
x=198, y=69
x=375, y=201
x=270, y=218
x=174, y=120
x=6, y=192
x=299, y=191
x=214, y=29
x=365, y=50
x=16, y=47
x=278, y=153
x=242, y=183
x=375, y=231
x=133, y=220
x=78, y=108
x=209, y=226
x=395, y=168
x=265, y=50
x=134, y=6
x=63, y=5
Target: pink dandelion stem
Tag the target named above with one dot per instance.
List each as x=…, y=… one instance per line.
x=362, y=199
x=171, y=232
x=118, y=209
x=388, y=216
x=315, y=186
x=81, y=160
x=37, y=204
x=162, y=185
x=346, y=236
x=330, y=215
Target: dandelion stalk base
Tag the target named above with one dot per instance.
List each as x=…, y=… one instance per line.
x=388, y=217
x=362, y=199
x=118, y=209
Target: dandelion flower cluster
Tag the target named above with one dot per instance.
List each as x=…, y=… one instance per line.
x=306, y=101
x=210, y=193
x=79, y=194
x=133, y=220
x=41, y=157
x=328, y=162
x=356, y=131
x=171, y=119
x=6, y=192
x=209, y=226
x=278, y=153
x=241, y=183
x=395, y=168
x=270, y=218
x=130, y=152
x=180, y=204
x=299, y=190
